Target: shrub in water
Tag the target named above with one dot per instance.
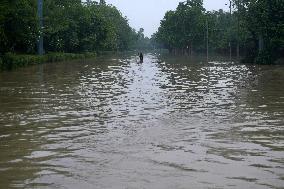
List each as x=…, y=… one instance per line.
x=11, y=61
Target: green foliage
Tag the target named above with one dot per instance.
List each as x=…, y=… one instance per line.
x=69, y=26
x=11, y=61
x=255, y=25
x=18, y=23
x=143, y=43
x=183, y=28
x=265, y=22
x=77, y=27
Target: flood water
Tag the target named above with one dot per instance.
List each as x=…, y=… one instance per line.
x=167, y=123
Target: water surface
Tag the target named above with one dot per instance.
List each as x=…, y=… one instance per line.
x=167, y=123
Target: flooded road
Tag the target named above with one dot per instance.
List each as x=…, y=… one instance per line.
x=167, y=123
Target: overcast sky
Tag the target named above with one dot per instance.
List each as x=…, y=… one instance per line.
x=148, y=13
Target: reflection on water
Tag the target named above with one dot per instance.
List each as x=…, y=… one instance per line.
x=166, y=123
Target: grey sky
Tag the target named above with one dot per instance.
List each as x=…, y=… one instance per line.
x=148, y=13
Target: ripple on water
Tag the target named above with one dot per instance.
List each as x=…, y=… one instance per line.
x=166, y=123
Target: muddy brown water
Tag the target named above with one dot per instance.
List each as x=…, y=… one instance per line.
x=167, y=123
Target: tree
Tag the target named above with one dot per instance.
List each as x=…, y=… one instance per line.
x=264, y=21
x=69, y=26
x=102, y=2
x=256, y=26
x=19, y=30
x=183, y=30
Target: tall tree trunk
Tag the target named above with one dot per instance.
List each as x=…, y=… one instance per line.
x=260, y=43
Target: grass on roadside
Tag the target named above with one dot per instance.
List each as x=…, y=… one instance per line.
x=11, y=61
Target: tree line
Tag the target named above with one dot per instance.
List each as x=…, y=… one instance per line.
x=253, y=29
x=69, y=26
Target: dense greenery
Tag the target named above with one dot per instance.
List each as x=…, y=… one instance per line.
x=264, y=21
x=256, y=26
x=69, y=26
x=72, y=28
x=183, y=29
x=143, y=42
x=18, y=26
x=12, y=61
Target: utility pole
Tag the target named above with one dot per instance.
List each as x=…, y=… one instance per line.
x=238, y=38
x=40, y=16
x=207, y=39
x=230, y=34
x=230, y=43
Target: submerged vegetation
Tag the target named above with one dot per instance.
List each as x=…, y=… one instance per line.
x=254, y=29
x=12, y=61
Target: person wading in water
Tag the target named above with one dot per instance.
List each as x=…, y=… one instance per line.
x=141, y=57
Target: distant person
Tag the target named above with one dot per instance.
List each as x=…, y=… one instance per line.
x=141, y=57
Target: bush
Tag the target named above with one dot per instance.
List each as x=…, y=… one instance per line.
x=12, y=61
x=90, y=55
x=1, y=64
x=58, y=57
x=264, y=57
